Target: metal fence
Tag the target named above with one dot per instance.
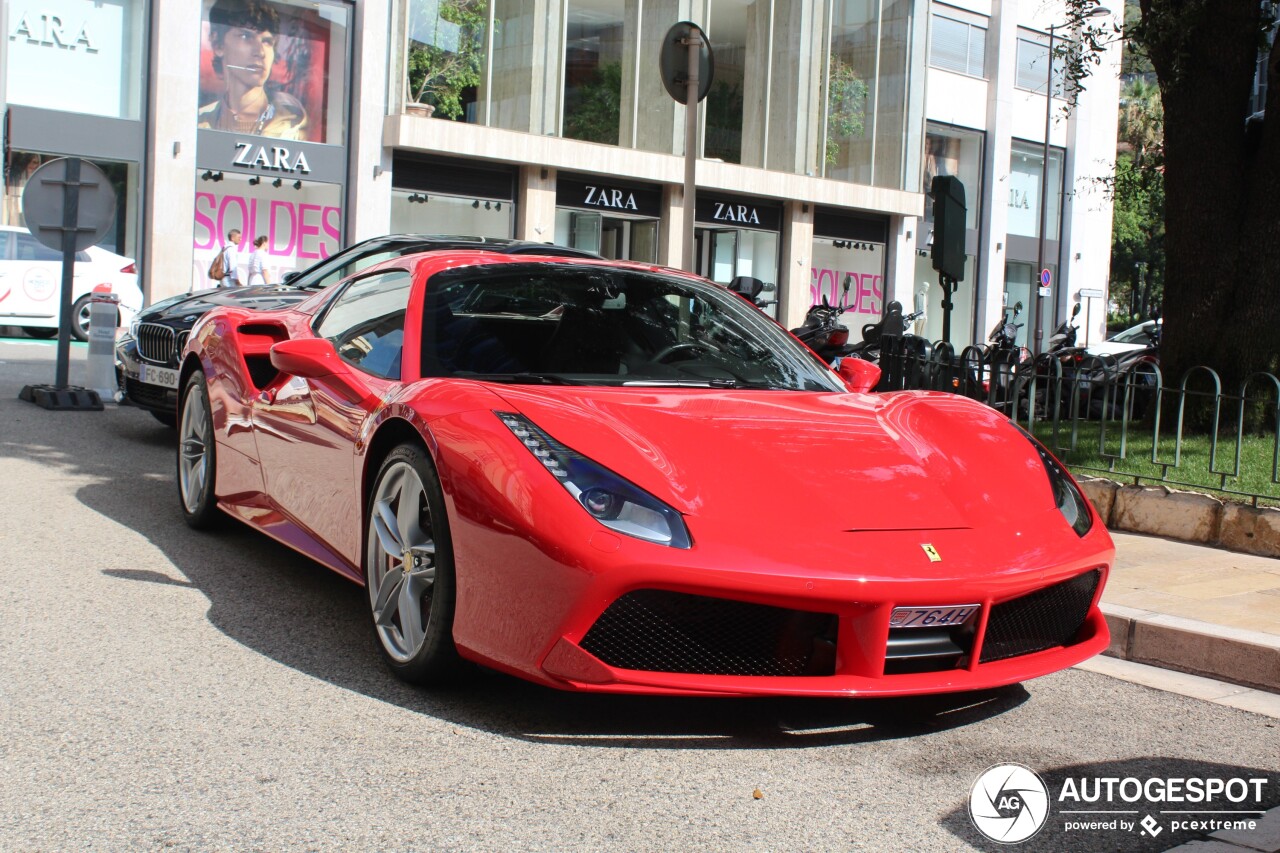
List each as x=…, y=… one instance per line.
x=1118, y=419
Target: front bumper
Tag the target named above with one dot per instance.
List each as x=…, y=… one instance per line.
x=855, y=650
x=156, y=398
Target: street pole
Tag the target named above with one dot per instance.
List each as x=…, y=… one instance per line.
x=1044, y=200
x=694, y=42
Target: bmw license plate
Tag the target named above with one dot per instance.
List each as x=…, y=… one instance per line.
x=151, y=374
x=931, y=617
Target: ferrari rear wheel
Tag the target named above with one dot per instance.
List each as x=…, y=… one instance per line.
x=197, y=462
x=409, y=568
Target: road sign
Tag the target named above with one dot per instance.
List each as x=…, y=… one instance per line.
x=1090, y=293
x=45, y=207
x=1046, y=277
x=673, y=62
x=69, y=205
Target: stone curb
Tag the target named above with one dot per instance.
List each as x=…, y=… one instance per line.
x=1186, y=516
x=1251, y=658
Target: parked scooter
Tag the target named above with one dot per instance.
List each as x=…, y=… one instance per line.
x=821, y=330
x=823, y=334
x=1000, y=359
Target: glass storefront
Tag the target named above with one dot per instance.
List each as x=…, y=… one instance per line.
x=956, y=152
x=594, y=49
x=436, y=195
x=301, y=220
x=1018, y=278
x=871, y=117
x=617, y=220
x=80, y=56
x=584, y=70
x=274, y=68
x=422, y=213
x=1025, y=165
x=738, y=237
x=849, y=248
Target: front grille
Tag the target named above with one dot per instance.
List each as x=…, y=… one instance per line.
x=151, y=396
x=157, y=344
x=658, y=631
x=1040, y=620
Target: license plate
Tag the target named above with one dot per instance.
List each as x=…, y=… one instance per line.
x=931, y=617
x=166, y=377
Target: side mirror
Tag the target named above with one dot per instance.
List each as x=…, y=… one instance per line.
x=859, y=376
x=1017, y=309
x=315, y=358
x=1075, y=312
x=290, y=276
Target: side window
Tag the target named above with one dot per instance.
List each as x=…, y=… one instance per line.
x=31, y=249
x=365, y=323
x=333, y=273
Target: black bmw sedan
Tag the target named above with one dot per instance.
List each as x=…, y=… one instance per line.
x=147, y=357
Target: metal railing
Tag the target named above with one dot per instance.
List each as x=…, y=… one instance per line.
x=1119, y=419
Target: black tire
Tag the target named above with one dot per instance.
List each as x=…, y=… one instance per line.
x=196, y=437
x=431, y=658
x=169, y=419
x=39, y=332
x=80, y=318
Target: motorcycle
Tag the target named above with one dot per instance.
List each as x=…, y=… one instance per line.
x=1001, y=357
x=822, y=332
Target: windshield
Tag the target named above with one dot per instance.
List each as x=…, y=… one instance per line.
x=1139, y=334
x=592, y=325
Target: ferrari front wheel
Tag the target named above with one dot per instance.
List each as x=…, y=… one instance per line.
x=197, y=463
x=408, y=568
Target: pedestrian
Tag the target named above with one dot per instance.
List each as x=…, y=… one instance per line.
x=231, y=260
x=257, y=263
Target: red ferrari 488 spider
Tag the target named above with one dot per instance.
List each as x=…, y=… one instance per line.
x=613, y=477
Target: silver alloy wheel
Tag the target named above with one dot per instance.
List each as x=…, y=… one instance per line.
x=400, y=561
x=82, y=321
x=194, y=438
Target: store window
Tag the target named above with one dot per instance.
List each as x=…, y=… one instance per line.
x=302, y=221
x=958, y=46
x=81, y=56
x=619, y=221
x=1025, y=167
x=447, y=196
x=738, y=237
x=873, y=114
x=594, y=50
x=274, y=68
x=956, y=152
x=1018, y=279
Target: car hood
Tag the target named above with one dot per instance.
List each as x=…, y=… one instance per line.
x=186, y=309
x=818, y=462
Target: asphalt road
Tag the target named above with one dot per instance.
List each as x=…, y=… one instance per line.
x=163, y=688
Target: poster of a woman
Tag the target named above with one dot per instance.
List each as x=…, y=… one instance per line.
x=263, y=70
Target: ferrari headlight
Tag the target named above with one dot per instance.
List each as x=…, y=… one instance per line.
x=616, y=503
x=1072, y=505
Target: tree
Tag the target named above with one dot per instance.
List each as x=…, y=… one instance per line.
x=1221, y=180
x=846, y=107
x=1137, y=190
x=595, y=108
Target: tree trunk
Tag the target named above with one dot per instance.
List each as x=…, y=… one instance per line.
x=1222, y=192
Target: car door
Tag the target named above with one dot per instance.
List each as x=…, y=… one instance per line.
x=35, y=279
x=306, y=429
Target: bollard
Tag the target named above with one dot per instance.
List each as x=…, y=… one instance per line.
x=103, y=313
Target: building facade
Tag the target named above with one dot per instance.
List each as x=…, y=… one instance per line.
x=315, y=124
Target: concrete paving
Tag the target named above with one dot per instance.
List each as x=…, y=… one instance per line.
x=1196, y=609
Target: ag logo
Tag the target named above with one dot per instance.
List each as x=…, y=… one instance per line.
x=1009, y=803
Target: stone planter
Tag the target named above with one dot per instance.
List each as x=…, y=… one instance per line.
x=424, y=110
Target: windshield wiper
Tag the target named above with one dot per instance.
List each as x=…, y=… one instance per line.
x=520, y=378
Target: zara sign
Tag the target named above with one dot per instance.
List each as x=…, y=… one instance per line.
x=594, y=194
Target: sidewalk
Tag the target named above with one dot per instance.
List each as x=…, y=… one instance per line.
x=1196, y=609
